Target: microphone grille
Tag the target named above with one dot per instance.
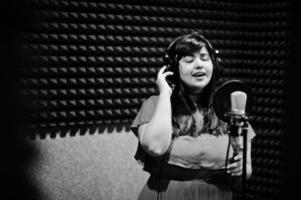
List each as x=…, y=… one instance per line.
x=238, y=102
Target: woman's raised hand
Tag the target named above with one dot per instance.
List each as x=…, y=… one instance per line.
x=161, y=80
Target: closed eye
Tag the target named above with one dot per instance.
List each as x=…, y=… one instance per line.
x=188, y=59
x=204, y=56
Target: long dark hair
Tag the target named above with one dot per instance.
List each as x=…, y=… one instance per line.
x=183, y=109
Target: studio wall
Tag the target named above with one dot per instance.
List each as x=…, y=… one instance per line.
x=90, y=65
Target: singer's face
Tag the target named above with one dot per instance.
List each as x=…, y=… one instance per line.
x=196, y=70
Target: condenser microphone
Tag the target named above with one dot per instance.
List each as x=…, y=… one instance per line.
x=224, y=103
x=237, y=120
x=231, y=106
x=238, y=102
x=231, y=102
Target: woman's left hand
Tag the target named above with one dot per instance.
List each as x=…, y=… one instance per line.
x=235, y=167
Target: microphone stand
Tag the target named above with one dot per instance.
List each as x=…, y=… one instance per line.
x=244, y=164
x=236, y=119
x=238, y=129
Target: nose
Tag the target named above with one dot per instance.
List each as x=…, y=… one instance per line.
x=199, y=63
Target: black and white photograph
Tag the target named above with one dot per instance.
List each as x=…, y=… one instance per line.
x=150, y=100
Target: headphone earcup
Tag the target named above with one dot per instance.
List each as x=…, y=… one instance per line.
x=216, y=61
x=170, y=67
x=218, y=68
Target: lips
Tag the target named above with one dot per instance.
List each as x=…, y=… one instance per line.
x=199, y=74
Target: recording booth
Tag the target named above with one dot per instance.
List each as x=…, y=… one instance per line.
x=77, y=72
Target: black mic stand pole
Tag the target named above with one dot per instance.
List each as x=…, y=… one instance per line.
x=239, y=128
x=244, y=133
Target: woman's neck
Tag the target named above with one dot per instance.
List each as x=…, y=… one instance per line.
x=194, y=98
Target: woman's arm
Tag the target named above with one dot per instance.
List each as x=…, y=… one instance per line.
x=155, y=136
x=249, y=160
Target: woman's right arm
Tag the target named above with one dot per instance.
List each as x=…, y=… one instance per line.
x=155, y=136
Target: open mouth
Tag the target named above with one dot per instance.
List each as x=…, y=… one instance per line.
x=198, y=74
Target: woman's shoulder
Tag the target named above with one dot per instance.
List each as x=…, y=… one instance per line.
x=153, y=99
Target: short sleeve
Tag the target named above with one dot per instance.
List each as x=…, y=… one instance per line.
x=145, y=113
x=143, y=116
x=251, y=132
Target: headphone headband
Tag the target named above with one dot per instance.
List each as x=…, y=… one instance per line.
x=208, y=44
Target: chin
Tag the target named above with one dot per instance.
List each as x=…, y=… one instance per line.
x=196, y=85
x=201, y=85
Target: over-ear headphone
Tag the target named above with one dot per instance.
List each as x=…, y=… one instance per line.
x=171, y=58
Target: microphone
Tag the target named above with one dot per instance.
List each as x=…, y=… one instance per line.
x=238, y=102
x=238, y=120
x=223, y=105
x=230, y=105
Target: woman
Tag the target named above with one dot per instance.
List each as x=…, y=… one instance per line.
x=182, y=144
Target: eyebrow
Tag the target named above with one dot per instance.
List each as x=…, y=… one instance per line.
x=204, y=53
x=193, y=54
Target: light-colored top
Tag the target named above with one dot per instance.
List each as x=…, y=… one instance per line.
x=194, y=152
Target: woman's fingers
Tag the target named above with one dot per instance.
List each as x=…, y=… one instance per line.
x=161, y=71
x=161, y=80
x=235, y=168
x=236, y=173
x=234, y=165
x=238, y=168
x=162, y=74
x=238, y=156
x=167, y=74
